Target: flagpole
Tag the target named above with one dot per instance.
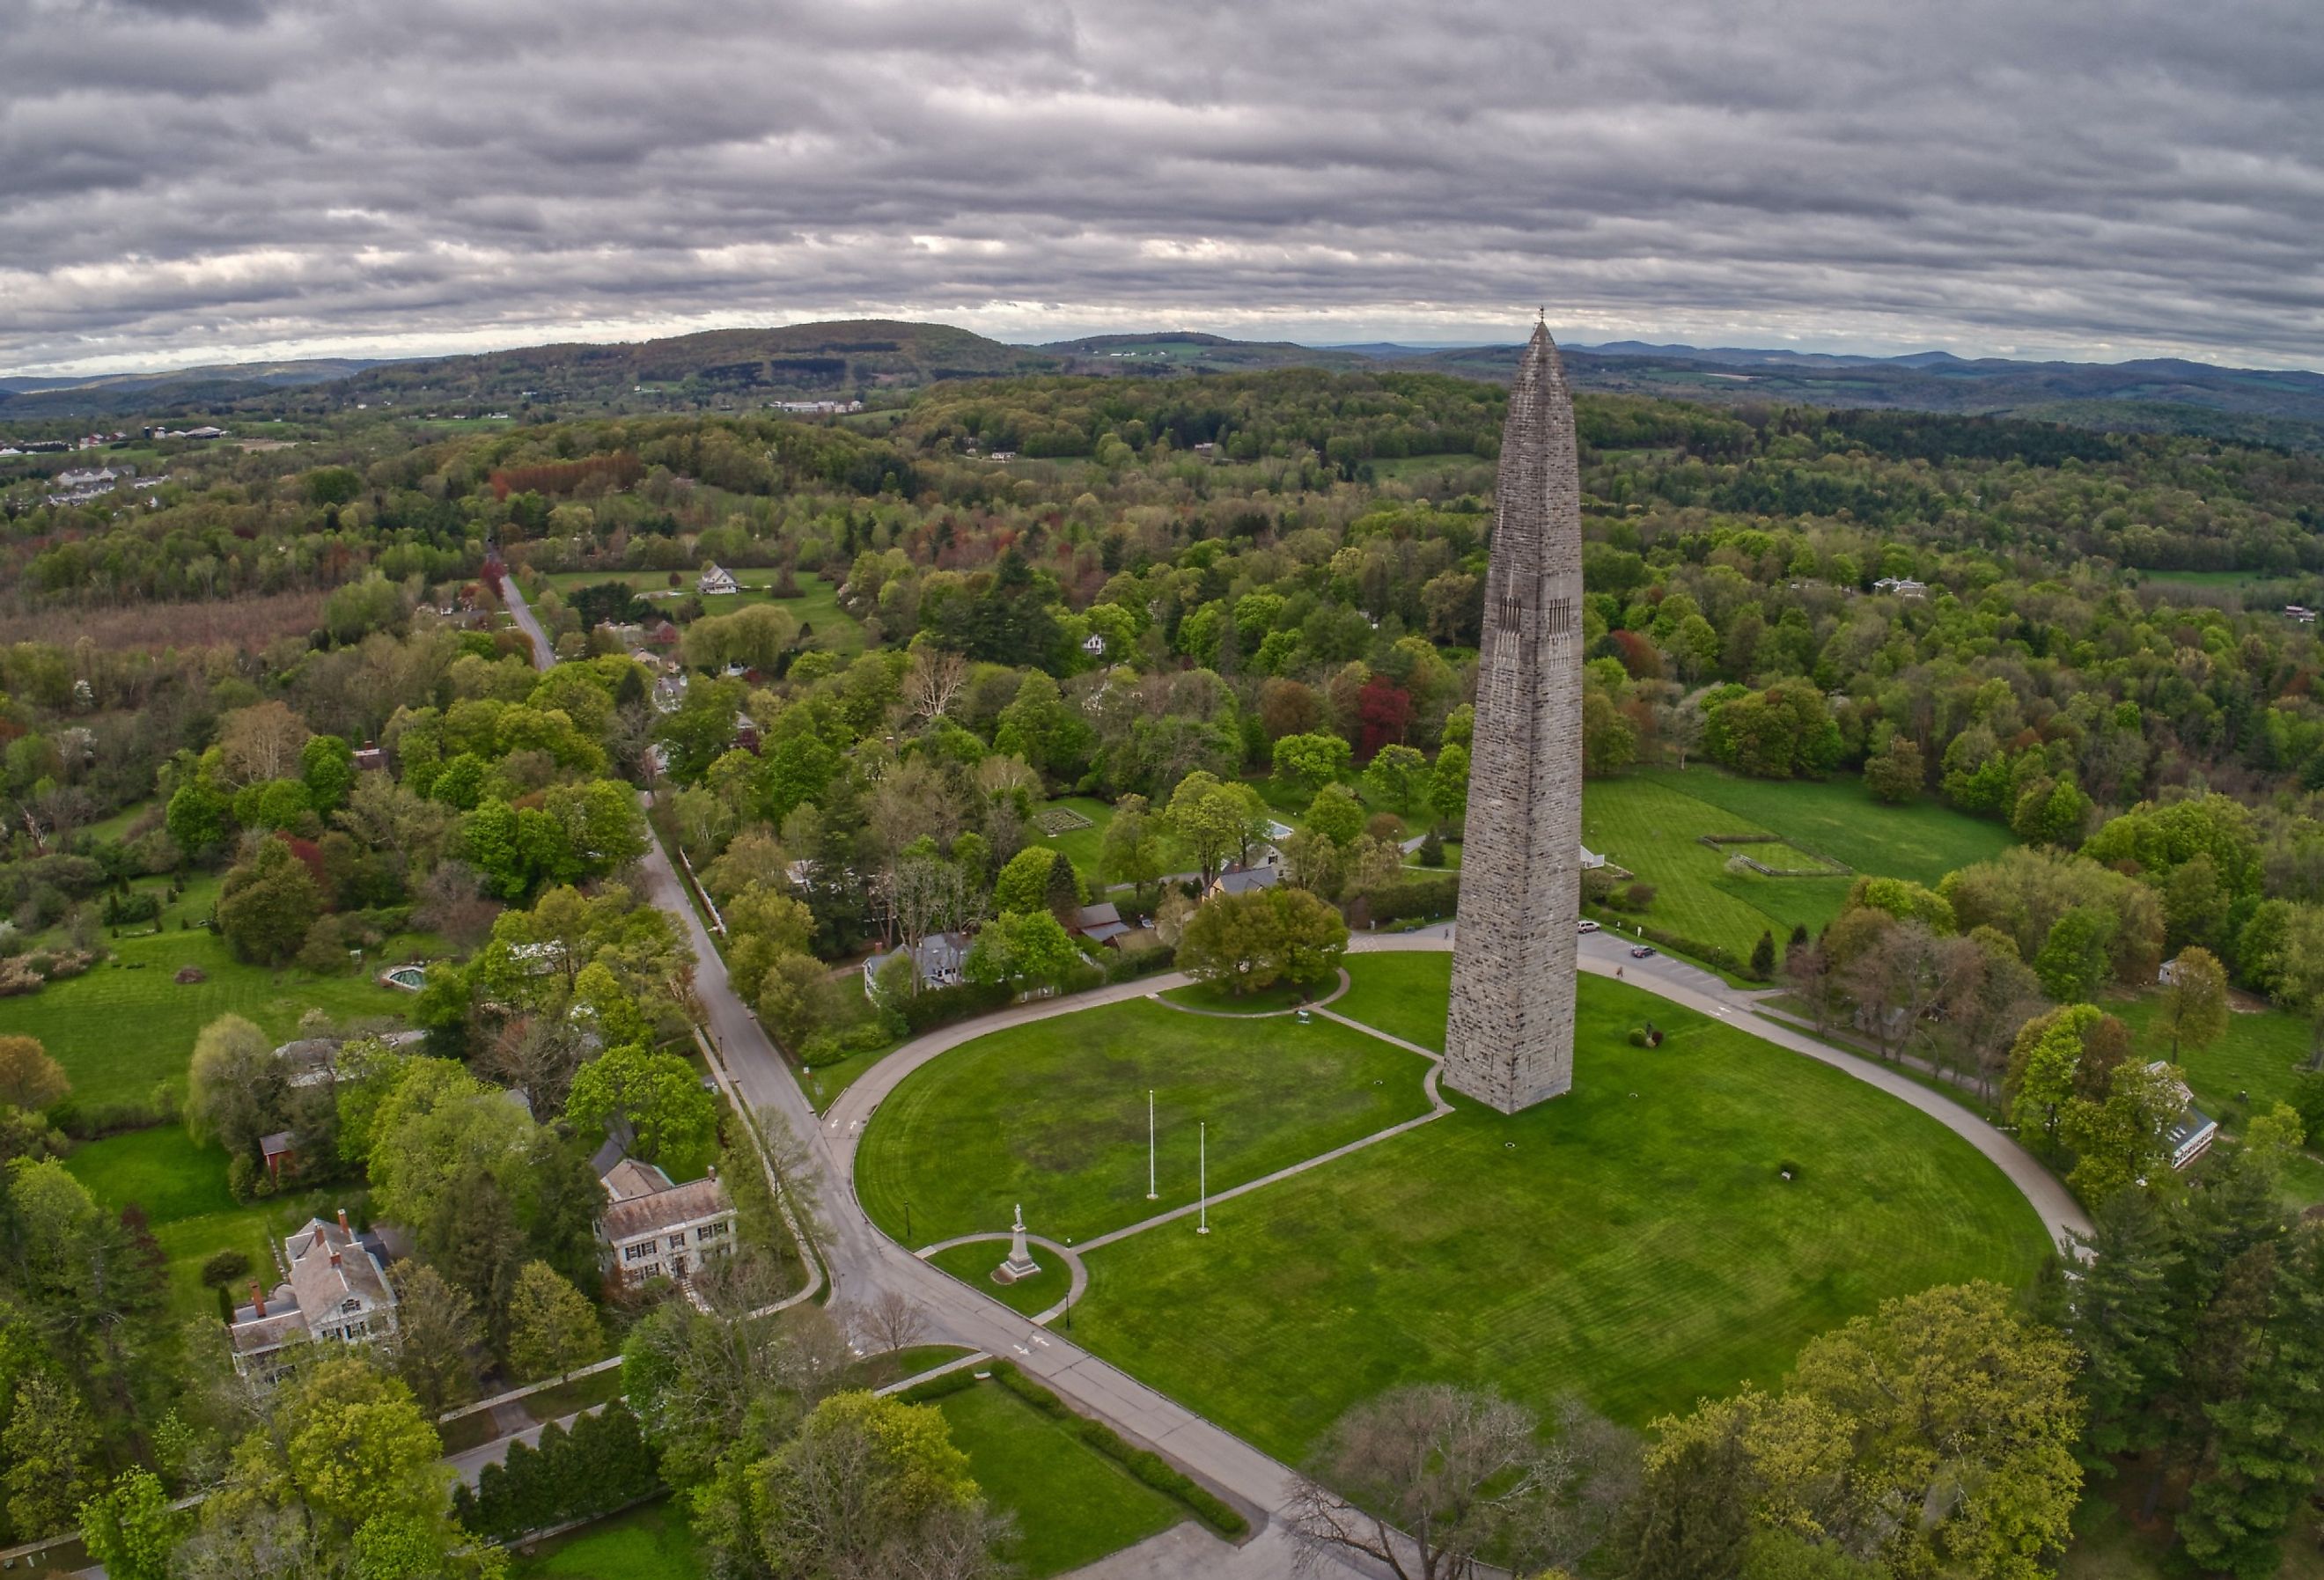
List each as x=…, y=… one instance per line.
x=1151, y=1193
x=1202, y=1179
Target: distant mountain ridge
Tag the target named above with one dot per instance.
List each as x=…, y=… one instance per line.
x=742, y=369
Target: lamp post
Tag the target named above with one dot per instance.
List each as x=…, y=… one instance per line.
x=1202, y=1179
x=1150, y=1194
x=907, y=1218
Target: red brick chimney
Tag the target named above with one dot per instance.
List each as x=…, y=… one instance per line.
x=343, y=1223
x=335, y=1256
x=257, y=1298
x=319, y=1236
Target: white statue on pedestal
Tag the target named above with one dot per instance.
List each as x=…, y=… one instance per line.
x=1020, y=1264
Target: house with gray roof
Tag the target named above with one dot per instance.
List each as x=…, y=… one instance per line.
x=337, y=1293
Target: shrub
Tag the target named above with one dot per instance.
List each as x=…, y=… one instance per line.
x=226, y=1267
x=935, y=1388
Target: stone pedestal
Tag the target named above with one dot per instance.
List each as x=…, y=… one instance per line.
x=1020, y=1264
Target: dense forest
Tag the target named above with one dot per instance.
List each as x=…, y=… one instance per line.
x=1221, y=613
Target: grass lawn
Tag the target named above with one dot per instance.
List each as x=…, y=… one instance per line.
x=972, y=1265
x=1630, y=1242
x=1223, y=1000
x=1073, y=1504
x=823, y=1082
x=1839, y=819
x=1650, y=821
x=1402, y=994
x=649, y=1543
x=1052, y=1115
x=182, y=1189
x=127, y=1024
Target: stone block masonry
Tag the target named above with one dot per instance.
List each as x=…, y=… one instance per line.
x=1509, y=1033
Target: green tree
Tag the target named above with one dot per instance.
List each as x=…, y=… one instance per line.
x=2043, y=1063
x=865, y=1480
x=1255, y=939
x=1026, y=947
x=1896, y=773
x=2122, y=1139
x=195, y=816
x=436, y=1337
x=237, y=1089
x=553, y=1329
x=2268, y=1432
x=1398, y=777
x=1131, y=850
x=1310, y=762
x=326, y=765
x=675, y=1120
x=2072, y=961
x=1448, y=785
x=1962, y=1411
x=130, y=1528
x=269, y=904
x=2193, y=1007
x=1034, y=878
x=1215, y=822
x=29, y=1078
x=48, y=1449
x=1609, y=742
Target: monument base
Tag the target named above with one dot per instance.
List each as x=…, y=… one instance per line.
x=1014, y=1271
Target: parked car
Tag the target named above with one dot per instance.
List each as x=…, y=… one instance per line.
x=1587, y=926
x=1640, y=951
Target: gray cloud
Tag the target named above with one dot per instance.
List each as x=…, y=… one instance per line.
x=186, y=180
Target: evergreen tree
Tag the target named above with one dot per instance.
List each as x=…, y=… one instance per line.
x=2122, y=1317
x=2267, y=1442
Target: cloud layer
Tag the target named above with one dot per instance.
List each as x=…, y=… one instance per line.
x=214, y=179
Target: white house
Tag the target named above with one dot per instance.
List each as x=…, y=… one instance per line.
x=652, y=1229
x=2193, y=1132
x=941, y=957
x=715, y=580
x=1903, y=586
x=1094, y=644
x=338, y=1292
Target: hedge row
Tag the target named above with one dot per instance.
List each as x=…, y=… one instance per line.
x=1148, y=1467
x=1137, y=962
x=1715, y=954
x=600, y=1465
x=941, y=1006
x=958, y=1380
x=1407, y=899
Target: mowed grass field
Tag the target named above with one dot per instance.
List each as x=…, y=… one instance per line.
x=1073, y=1504
x=649, y=1543
x=181, y=1189
x=1052, y=1115
x=127, y=1024
x=1650, y=822
x=1630, y=1243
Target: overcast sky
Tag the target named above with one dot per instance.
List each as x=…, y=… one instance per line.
x=185, y=180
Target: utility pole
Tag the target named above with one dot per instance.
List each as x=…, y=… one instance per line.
x=1203, y=1180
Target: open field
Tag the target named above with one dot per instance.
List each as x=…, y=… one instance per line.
x=649, y=1543
x=127, y=1024
x=1650, y=822
x=1839, y=819
x=1631, y=1241
x=1402, y=994
x=1073, y=1504
x=1052, y=1115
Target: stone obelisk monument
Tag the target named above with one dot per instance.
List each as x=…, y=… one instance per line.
x=1510, y=1035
